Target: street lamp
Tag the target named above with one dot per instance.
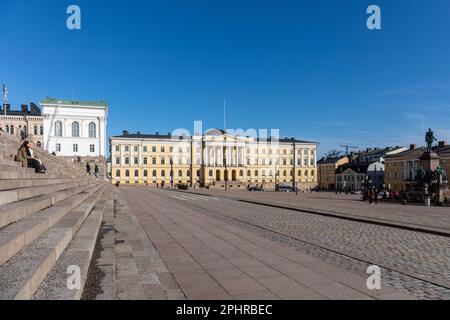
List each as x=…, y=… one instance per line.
x=171, y=173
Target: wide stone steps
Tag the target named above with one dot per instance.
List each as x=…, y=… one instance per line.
x=9, y=162
x=8, y=149
x=8, y=196
x=16, y=236
x=10, y=184
x=22, y=274
x=9, y=168
x=8, y=175
x=15, y=211
x=78, y=253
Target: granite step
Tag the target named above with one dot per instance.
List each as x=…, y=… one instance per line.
x=11, y=184
x=17, y=235
x=9, y=196
x=13, y=212
x=21, y=275
x=78, y=253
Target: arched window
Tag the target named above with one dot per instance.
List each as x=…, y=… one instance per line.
x=163, y=173
x=145, y=173
x=11, y=129
x=312, y=173
x=210, y=173
x=306, y=173
x=256, y=173
x=154, y=173
x=58, y=129
x=188, y=173
x=284, y=173
x=299, y=173
x=75, y=129
x=136, y=173
x=92, y=130
x=127, y=173
x=241, y=173
x=180, y=173
x=249, y=173
x=118, y=173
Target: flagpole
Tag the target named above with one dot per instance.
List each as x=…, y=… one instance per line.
x=5, y=101
x=226, y=176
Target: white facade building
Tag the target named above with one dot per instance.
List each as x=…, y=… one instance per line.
x=75, y=128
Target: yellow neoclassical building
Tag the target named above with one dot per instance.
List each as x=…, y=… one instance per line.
x=211, y=160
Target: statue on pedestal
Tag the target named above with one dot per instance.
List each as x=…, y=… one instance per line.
x=429, y=139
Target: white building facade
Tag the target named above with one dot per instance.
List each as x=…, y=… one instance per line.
x=75, y=128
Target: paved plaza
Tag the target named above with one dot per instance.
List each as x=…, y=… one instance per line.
x=206, y=244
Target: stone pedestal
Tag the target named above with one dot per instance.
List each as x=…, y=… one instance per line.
x=429, y=161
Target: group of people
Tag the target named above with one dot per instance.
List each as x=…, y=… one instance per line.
x=88, y=169
x=29, y=159
x=371, y=195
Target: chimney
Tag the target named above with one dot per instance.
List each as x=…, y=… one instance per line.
x=125, y=132
x=138, y=132
x=412, y=146
x=24, y=108
x=442, y=144
x=157, y=133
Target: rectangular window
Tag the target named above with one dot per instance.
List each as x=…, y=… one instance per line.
x=41, y=131
x=163, y=149
x=145, y=148
x=145, y=160
x=153, y=160
x=135, y=148
x=136, y=160
x=58, y=147
x=117, y=160
x=75, y=148
x=127, y=160
x=127, y=148
x=117, y=148
x=35, y=130
x=92, y=148
x=163, y=160
x=153, y=149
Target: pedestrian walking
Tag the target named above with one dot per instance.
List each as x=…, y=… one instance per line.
x=96, y=170
x=88, y=169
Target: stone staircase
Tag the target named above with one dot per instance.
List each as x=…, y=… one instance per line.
x=48, y=223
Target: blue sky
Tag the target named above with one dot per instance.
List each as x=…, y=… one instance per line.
x=310, y=68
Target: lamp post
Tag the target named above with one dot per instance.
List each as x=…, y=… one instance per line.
x=5, y=102
x=277, y=168
x=171, y=173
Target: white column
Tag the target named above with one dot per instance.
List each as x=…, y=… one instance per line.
x=215, y=155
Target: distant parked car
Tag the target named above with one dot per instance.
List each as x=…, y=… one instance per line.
x=358, y=192
x=255, y=188
x=284, y=188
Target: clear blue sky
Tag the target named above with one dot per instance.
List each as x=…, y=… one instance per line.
x=310, y=68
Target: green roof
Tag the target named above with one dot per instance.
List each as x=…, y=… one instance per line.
x=49, y=100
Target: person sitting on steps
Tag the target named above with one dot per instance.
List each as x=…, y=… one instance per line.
x=26, y=156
